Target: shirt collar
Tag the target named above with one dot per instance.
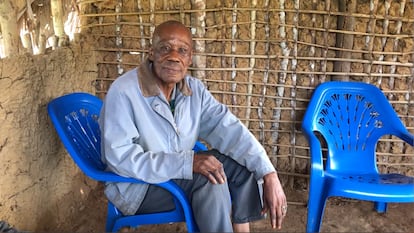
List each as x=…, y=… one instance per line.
x=149, y=86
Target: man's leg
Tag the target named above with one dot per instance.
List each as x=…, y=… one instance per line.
x=210, y=203
x=245, y=191
x=241, y=227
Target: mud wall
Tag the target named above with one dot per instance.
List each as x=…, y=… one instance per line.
x=39, y=183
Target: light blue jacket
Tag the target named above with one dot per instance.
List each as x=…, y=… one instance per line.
x=142, y=139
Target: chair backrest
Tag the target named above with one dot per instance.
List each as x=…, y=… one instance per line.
x=75, y=117
x=351, y=117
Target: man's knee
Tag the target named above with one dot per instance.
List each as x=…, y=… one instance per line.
x=210, y=190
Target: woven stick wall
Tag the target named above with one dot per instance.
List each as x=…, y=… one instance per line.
x=264, y=58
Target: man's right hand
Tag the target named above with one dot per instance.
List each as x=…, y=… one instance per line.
x=210, y=167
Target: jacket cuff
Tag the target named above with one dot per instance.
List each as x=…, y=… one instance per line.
x=188, y=165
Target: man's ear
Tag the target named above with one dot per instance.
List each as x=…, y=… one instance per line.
x=151, y=54
x=191, y=58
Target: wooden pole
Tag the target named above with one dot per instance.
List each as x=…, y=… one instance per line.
x=141, y=30
x=57, y=17
x=369, y=40
x=199, y=32
x=262, y=99
x=281, y=76
x=345, y=41
x=326, y=22
x=252, y=61
x=233, y=58
x=384, y=39
x=9, y=28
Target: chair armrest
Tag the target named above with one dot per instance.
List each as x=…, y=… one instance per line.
x=107, y=176
x=407, y=137
x=199, y=146
x=316, y=157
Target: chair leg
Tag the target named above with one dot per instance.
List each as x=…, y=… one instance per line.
x=316, y=207
x=112, y=215
x=315, y=215
x=380, y=207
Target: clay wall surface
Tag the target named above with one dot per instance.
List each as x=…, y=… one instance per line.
x=39, y=181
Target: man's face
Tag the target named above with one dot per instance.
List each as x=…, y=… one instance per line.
x=171, y=54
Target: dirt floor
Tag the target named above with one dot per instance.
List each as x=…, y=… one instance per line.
x=340, y=216
x=39, y=191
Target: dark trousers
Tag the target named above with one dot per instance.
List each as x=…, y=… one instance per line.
x=215, y=206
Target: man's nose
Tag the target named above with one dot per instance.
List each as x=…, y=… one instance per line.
x=173, y=55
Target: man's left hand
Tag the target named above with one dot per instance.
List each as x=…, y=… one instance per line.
x=274, y=200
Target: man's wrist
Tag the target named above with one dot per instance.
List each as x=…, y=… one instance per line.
x=270, y=176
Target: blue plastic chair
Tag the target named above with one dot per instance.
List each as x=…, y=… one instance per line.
x=75, y=118
x=344, y=121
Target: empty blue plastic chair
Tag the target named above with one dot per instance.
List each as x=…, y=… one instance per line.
x=75, y=118
x=348, y=119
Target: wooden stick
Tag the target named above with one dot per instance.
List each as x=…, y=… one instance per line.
x=262, y=137
x=199, y=32
x=141, y=31
x=384, y=39
x=274, y=56
x=322, y=78
x=369, y=39
x=281, y=76
x=152, y=17
x=233, y=51
x=293, y=100
x=396, y=46
x=410, y=90
x=118, y=39
x=391, y=80
x=8, y=24
x=223, y=60
x=326, y=12
x=57, y=17
x=276, y=40
x=345, y=40
x=312, y=46
x=252, y=61
x=276, y=71
x=342, y=6
x=89, y=1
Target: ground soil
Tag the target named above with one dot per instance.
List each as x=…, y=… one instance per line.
x=341, y=215
x=41, y=189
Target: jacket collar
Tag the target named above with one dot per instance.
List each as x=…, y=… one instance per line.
x=149, y=86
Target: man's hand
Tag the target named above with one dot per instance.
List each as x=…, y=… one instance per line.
x=210, y=167
x=274, y=200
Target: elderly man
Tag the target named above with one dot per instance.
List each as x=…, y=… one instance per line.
x=152, y=117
